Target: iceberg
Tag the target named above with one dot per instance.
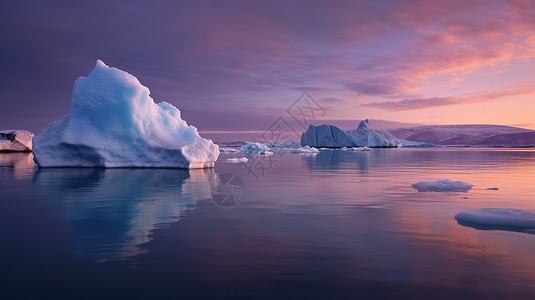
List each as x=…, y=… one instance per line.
x=445, y=185
x=498, y=219
x=15, y=141
x=331, y=136
x=115, y=123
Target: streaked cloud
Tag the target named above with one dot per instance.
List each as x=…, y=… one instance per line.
x=211, y=58
x=432, y=102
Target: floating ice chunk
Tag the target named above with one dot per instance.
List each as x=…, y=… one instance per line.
x=305, y=149
x=15, y=141
x=236, y=160
x=254, y=147
x=115, y=123
x=228, y=150
x=365, y=148
x=445, y=185
x=498, y=219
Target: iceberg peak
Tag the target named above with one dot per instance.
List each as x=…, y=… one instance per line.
x=115, y=123
x=364, y=124
x=100, y=63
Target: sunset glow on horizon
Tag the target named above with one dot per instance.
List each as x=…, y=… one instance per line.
x=231, y=65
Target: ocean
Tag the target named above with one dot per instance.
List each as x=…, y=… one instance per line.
x=338, y=224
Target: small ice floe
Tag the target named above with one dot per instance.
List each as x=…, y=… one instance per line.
x=254, y=147
x=445, y=185
x=236, y=160
x=253, y=150
x=492, y=189
x=498, y=219
x=228, y=150
x=305, y=149
x=365, y=148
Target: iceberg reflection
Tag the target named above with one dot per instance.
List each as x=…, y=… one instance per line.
x=338, y=159
x=111, y=212
x=18, y=165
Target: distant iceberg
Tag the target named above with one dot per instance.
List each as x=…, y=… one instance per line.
x=332, y=136
x=115, y=123
x=445, y=185
x=498, y=219
x=15, y=141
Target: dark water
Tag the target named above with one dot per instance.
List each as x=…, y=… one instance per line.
x=336, y=225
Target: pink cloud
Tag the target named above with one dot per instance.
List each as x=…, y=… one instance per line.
x=433, y=102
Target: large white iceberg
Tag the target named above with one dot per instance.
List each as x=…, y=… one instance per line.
x=498, y=218
x=15, y=141
x=115, y=123
x=445, y=185
x=332, y=136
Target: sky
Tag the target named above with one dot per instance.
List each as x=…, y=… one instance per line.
x=240, y=65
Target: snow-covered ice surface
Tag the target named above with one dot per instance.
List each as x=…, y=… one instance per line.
x=332, y=136
x=498, y=219
x=15, y=141
x=115, y=123
x=236, y=160
x=472, y=134
x=445, y=185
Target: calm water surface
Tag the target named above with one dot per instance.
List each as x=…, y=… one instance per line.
x=336, y=225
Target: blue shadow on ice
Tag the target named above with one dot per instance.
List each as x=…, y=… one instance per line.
x=495, y=227
x=508, y=219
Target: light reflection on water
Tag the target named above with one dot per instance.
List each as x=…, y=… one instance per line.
x=333, y=218
x=113, y=211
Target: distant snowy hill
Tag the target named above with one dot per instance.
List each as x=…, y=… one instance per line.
x=476, y=135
